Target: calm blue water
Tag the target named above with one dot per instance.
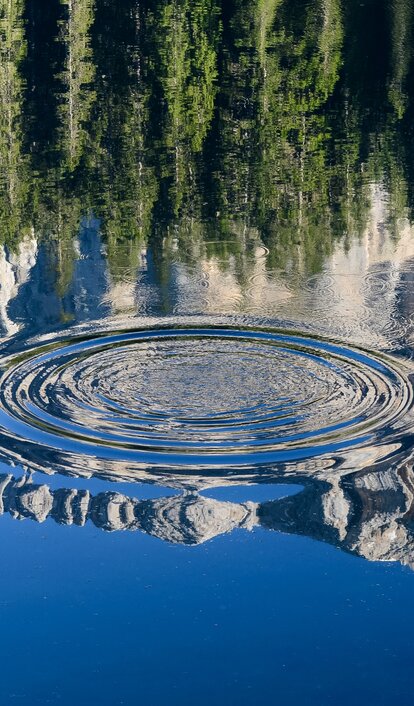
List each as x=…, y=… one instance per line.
x=126, y=618
x=206, y=352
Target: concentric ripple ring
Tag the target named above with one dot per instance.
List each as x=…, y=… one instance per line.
x=200, y=397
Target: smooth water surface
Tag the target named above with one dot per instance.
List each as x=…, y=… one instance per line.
x=206, y=352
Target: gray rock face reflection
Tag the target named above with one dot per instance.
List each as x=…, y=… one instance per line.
x=369, y=514
x=184, y=519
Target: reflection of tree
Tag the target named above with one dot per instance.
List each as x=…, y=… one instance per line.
x=276, y=141
x=120, y=166
x=301, y=175
x=77, y=78
x=185, y=36
x=13, y=165
x=200, y=247
x=59, y=222
x=401, y=53
x=186, y=118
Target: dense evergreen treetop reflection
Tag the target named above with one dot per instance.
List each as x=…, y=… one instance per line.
x=187, y=124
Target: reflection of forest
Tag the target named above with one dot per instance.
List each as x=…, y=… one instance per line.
x=368, y=513
x=198, y=123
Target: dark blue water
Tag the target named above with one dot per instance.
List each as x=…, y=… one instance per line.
x=126, y=618
x=206, y=352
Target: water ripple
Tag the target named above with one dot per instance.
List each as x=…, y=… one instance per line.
x=181, y=397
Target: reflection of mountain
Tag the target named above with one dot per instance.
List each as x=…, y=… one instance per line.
x=342, y=301
x=369, y=514
x=38, y=304
x=359, y=294
x=184, y=519
x=362, y=295
x=15, y=270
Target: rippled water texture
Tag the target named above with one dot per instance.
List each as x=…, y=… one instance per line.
x=201, y=397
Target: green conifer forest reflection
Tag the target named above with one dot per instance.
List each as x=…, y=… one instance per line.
x=203, y=123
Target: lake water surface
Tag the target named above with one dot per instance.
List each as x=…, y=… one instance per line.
x=206, y=352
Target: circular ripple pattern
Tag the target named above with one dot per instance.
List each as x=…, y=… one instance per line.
x=181, y=397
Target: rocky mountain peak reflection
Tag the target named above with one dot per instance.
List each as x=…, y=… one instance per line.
x=189, y=518
x=369, y=514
